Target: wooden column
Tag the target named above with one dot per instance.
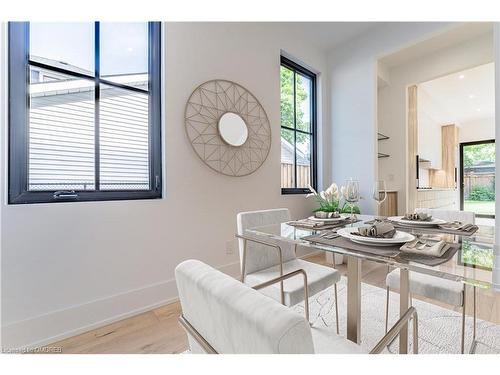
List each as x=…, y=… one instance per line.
x=411, y=196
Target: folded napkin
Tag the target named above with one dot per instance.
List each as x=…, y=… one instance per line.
x=307, y=223
x=378, y=230
x=418, y=216
x=457, y=225
x=436, y=249
x=326, y=215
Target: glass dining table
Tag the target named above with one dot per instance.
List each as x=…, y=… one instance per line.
x=476, y=263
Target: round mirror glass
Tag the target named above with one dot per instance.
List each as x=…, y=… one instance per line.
x=232, y=129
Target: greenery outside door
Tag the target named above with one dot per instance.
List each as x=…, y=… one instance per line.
x=477, y=170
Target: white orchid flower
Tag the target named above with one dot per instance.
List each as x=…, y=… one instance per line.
x=343, y=191
x=336, y=195
x=332, y=189
x=313, y=192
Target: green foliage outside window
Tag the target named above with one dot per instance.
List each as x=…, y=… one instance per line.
x=474, y=154
x=482, y=193
x=287, y=107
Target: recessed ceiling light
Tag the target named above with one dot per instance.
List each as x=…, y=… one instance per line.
x=479, y=109
x=130, y=49
x=472, y=96
x=461, y=76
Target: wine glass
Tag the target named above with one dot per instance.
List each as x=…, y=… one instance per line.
x=379, y=192
x=352, y=195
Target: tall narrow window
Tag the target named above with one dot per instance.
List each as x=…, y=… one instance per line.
x=84, y=111
x=298, y=128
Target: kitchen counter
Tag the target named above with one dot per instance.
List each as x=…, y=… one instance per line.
x=440, y=198
x=437, y=189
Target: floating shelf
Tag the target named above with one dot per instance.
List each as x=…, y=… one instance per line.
x=381, y=155
x=382, y=137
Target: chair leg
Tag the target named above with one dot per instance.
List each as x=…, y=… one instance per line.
x=387, y=310
x=474, y=342
x=243, y=261
x=336, y=307
x=474, y=313
x=463, y=322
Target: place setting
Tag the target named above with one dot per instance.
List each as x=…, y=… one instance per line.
x=335, y=220
x=424, y=221
x=337, y=207
x=383, y=238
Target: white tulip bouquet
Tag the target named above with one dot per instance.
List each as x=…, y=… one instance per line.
x=330, y=200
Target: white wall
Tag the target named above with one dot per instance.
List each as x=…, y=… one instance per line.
x=429, y=129
x=392, y=101
x=477, y=130
x=353, y=97
x=68, y=267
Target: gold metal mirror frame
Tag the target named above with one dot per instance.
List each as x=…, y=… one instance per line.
x=206, y=105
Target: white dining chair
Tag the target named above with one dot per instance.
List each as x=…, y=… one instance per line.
x=224, y=316
x=432, y=287
x=261, y=261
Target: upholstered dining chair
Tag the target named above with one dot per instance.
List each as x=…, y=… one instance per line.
x=447, y=291
x=224, y=316
x=262, y=261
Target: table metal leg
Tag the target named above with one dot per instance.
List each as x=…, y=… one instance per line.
x=354, y=299
x=404, y=296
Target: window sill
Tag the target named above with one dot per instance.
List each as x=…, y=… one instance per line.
x=290, y=191
x=102, y=196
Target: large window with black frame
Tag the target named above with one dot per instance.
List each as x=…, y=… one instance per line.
x=84, y=111
x=298, y=128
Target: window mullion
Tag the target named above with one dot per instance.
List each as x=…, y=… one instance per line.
x=97, y=95
x=295, y=128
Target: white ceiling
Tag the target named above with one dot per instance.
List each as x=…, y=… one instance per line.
x=462, y=97
x=460, y=33
x=326, y=35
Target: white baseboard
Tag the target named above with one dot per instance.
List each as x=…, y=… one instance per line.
x=58, y=325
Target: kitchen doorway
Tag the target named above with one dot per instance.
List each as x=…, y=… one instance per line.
x=477, y=177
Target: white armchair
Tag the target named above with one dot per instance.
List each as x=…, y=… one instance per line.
x=450, y=292
x=222, y=315
x=262, y=261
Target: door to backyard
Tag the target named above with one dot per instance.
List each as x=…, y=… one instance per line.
x=477, y=160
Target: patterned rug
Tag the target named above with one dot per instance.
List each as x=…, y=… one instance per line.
x=439, y=328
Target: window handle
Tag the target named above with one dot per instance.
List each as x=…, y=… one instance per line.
x=65, y=194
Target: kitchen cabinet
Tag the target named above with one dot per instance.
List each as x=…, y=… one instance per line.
x=389, y=207
x=446, y=176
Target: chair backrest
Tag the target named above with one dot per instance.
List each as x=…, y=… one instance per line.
x=234, y=318
x=259, y=257
x=465, y=217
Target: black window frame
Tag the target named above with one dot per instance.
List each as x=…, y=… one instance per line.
x=296, y=68
x=462, y=145
x=18, y=121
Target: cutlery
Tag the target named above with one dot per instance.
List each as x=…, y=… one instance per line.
x=329, y=235
x=423, y=245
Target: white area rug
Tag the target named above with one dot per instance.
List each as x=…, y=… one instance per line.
x=439, y=328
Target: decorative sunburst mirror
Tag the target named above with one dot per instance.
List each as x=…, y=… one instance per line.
x=228, y=128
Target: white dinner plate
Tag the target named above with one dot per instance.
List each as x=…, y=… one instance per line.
x=432, y=223
x=329, y=220
x=399, y=237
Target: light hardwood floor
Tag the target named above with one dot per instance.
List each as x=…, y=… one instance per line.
x=158, y=331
